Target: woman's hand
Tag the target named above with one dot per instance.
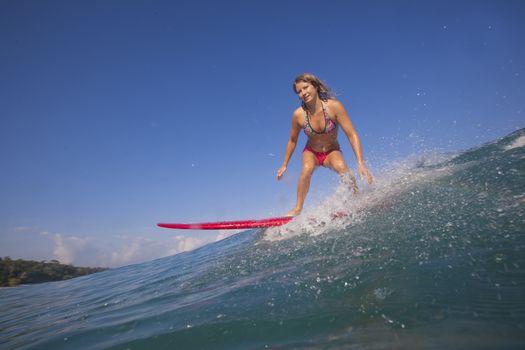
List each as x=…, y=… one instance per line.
x=281, y=171
x=364, y=173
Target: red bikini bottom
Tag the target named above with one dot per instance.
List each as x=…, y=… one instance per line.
x=320, y=156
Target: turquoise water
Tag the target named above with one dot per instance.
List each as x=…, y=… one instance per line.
x=431, y=257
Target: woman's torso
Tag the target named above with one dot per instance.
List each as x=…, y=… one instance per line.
x=321, y=129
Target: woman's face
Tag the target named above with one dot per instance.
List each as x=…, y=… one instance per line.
x=306, y=91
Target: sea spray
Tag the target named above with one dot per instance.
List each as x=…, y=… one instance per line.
x=345, y=207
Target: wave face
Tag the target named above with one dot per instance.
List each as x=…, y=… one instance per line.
x=431, y=257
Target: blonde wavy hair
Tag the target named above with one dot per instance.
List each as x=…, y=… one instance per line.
x=323, y=90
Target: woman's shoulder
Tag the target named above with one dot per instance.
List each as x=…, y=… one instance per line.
x=298, y=117
x=335, y=106
x=299, y=111
x=333, y=103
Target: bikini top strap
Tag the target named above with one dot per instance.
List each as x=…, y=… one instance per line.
x=324, y=111
x=326, y=120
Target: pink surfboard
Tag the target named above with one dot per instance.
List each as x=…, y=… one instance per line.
x=230, y=225
x=240, y=224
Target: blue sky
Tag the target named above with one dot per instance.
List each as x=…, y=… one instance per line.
x=117, y=115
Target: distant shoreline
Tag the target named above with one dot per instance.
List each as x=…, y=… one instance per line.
x=19, y=271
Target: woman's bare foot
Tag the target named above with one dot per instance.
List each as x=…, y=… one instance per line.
x=294, y=212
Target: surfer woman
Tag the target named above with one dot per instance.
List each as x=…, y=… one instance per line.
x=320, y=116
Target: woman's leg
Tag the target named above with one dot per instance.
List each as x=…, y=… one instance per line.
x=309, y=165
x=336, y=162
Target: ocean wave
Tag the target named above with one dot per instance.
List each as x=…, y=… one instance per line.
x=434, y=247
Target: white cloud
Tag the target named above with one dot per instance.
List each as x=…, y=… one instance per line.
x=25, y=229
x=71, y=249
x=29, y=230
x=122, y=250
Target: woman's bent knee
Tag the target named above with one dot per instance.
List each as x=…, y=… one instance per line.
x=340, y=167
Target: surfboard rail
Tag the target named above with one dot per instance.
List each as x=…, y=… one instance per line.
x=229, y=225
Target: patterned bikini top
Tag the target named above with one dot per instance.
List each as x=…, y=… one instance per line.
x=329, y=125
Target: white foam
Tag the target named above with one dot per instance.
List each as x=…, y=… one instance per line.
x=318, y=219
x=519, y=142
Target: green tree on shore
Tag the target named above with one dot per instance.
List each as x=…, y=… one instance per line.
x=15, y=272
